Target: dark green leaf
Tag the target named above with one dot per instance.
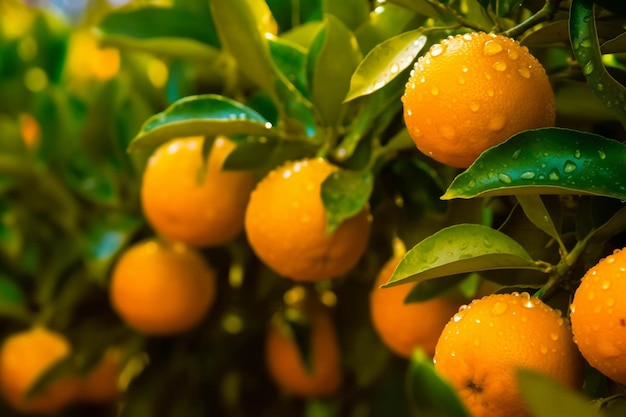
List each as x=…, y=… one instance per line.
x=207, y=114
x=546, y=161
x=351, y=12
x=421, y=7
x=241, y=36
x=385, y=21
x=164, y=31
x=431, y=395
x=383, y=63
x=345, y=193
x=12, y=300
x=548, y=398
x=334, y=57
x=586, y=48
x=460, y=249
x=538, y=214
x=290, y=59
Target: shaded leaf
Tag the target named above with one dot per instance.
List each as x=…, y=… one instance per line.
x=351, y=12
x=290, y=59
x=207, y=114
x=385, y=21
x=345, y=193
x=333, y=57
x=538, y=214
x=422, y=7
x=431, y=395
x=383, y=63
x=548, y=398
x=546, y=161
x=460, y=249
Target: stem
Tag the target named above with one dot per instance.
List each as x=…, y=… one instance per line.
x=546, y=13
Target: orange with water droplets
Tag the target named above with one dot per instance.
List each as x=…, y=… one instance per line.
x=487, y=341
x=473, y=91
x=598, y=314
x=188, y=202
x=162, y=288
x=286, y=224
x=402, y=326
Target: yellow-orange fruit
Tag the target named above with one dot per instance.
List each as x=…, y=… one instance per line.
x=162, y=288
x=185, y=202
x=405, y=327
x=486, y=342
x=286, y=224
x=473, y=91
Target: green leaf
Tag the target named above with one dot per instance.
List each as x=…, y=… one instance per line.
x=241, y=36
x=351, y=12
x=385, y=21
x=12, y=300
x=548, y=398
x=206, y=114
x=538, y=214
x=345, y=193
x=383, y=63
x=431, y=394
x=461, y=248
x=421, y=7
x=586, y=48
x=163, y=31
x=290, y=59
x=333, y=57
x=546, y=161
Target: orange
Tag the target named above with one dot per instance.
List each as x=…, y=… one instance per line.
x=24, y=358
x=86, y=59
x=473, y=91
x=287, y=367
x=30, y=129
x=186, y=203
x=598, y=315
x=405, y=327
x=487, y=341
x=101, y=385
x=162, y=288
x=286, y=224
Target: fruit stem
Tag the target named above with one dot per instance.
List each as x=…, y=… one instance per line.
x=546, y=13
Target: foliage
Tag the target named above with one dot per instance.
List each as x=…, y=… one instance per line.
x=290, y=79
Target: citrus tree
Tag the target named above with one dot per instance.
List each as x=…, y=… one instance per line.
x=320, y=208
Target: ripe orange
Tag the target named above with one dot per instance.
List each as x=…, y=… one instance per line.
x=30, y=129
x=404, y=327
x=24, y=358
x=187, y=204
x=101, y=385
x=598, y=314
x=472, y=92
x=286, y=224
x=162, y=288
x=287, y=367
x=484, y=344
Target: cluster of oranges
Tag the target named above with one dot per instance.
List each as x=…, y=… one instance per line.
x=461, y=99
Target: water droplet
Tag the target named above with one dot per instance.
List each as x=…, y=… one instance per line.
x=591, y=296
x=554, y=175
x=610, y=259
x=305, y=218
x=610, y=302
x=512, y=54
x=464, y=69
x=606, y=284
x=474, y=106
x=554, y=336
x=528, y=175
x=490, y=92
x=600, y=87
x=499, y=66
x=467, y=36
x=505, y=178
x=601, y=154
x=577, y=154
x=492, y=48
x=416, y=133
x=524, y=72
x=499, y=308
x=437, y=49
x=569, y=167
x=588, y=68
x=543, y=349
x=496, y=123
x=487, y=243
x=409, y=112
x=585, y=43
x=434, y=91
x=516, y=154
x=461, y=80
